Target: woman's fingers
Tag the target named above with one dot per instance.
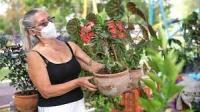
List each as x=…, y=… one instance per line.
x=89, y=77
x=102, y=66
x=86, y=84
x=90, y=85
x=91, y=89
x=98, y=66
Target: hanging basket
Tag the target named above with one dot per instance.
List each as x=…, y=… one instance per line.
x=117, y=83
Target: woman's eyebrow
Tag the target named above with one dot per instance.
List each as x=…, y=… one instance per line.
x=43, y=20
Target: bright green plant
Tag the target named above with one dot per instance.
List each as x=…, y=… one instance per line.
x=162, y=76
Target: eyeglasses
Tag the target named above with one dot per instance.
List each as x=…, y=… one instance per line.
x=44, y=24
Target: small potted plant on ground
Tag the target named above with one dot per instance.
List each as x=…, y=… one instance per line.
x=111, y=38
x=25, y=99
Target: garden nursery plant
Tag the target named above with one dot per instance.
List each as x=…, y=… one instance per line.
x=25, y=98
x=110, y=37
x=13, y=57
x=165, y=68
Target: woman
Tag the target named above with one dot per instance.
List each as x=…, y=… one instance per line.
x=54, y=65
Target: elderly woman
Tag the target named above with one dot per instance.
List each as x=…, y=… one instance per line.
x=54, y=66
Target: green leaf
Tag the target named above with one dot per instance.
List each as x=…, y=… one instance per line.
x=171, y=89
x=173, y=40
x=100, y=20
x=155, y=61
x=172, y=56
x=151, y=30
x=144, y=32
x=175, y=90
x=115, y=9
x=73, y=26
x=155, y=104
x=159, y=96
x=134, y=10
x=92, y=17
x=155, y=78
x=149, y=83
x=146, y=104
x=180, y=66
x=170, y=70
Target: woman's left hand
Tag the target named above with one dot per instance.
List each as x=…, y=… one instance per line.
x=95, y=66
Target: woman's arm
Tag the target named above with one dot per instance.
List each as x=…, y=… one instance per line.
x=38, y=74
x=85, y=61
x=84, y=66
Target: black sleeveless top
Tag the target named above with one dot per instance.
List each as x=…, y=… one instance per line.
x=61, y=73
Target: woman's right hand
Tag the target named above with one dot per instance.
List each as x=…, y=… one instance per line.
x=84, y=82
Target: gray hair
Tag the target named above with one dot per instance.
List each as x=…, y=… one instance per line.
x=26, y=23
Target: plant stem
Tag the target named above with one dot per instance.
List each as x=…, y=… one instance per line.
x=115, y=55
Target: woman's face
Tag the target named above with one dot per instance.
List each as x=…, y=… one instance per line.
x=41, y=20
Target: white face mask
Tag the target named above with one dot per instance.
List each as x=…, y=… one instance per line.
x=49, y=31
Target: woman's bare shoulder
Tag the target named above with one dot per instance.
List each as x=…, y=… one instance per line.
x=33, y=57
x=73, y=45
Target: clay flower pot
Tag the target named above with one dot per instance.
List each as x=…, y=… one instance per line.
x=26, y=103
x=117, y=83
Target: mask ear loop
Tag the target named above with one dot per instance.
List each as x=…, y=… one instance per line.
x=37, y=38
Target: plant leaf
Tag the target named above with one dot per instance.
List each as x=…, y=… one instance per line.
x=173, y=40
x=155, y=78
x=92, y=17
x=151, y=30
x=114, y=9
x=149, y=83
x=73, y=26
x=134, y=10
x=144, y=32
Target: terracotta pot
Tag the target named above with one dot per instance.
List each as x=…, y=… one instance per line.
x=117, y=83
x=26, y=103
x=130, y=99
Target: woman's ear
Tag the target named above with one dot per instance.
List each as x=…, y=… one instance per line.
x=32, y=32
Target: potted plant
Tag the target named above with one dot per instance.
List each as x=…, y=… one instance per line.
x=111, y=41
x=25, y=99
x=110, y=38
